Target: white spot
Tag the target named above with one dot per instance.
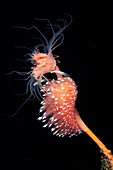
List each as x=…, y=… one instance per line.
x=50, y=125
x=41, y=109
x=55, y=123
x=56, y=98
x=44, y=114
x=63, y=88
x=45, y=125
x=44, y=95
x=49, y=93
x=35, y=83
x=56, y=108
x=55, y=132
x=59, y=113
x=44, y=120
x=42, y=102
x=52, y=129
x=52, y=118
x=59, y=135
x=39, y=118
x=53, y=79
x=43, y=117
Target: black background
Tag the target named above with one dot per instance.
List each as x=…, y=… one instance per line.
x=86, y=55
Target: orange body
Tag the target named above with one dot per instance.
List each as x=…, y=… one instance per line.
x=43, y=64
x=59, y=102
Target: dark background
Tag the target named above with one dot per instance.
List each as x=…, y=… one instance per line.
x=86, y=55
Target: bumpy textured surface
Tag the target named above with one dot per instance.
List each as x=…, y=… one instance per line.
x=106, y=163
x=58, y=103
